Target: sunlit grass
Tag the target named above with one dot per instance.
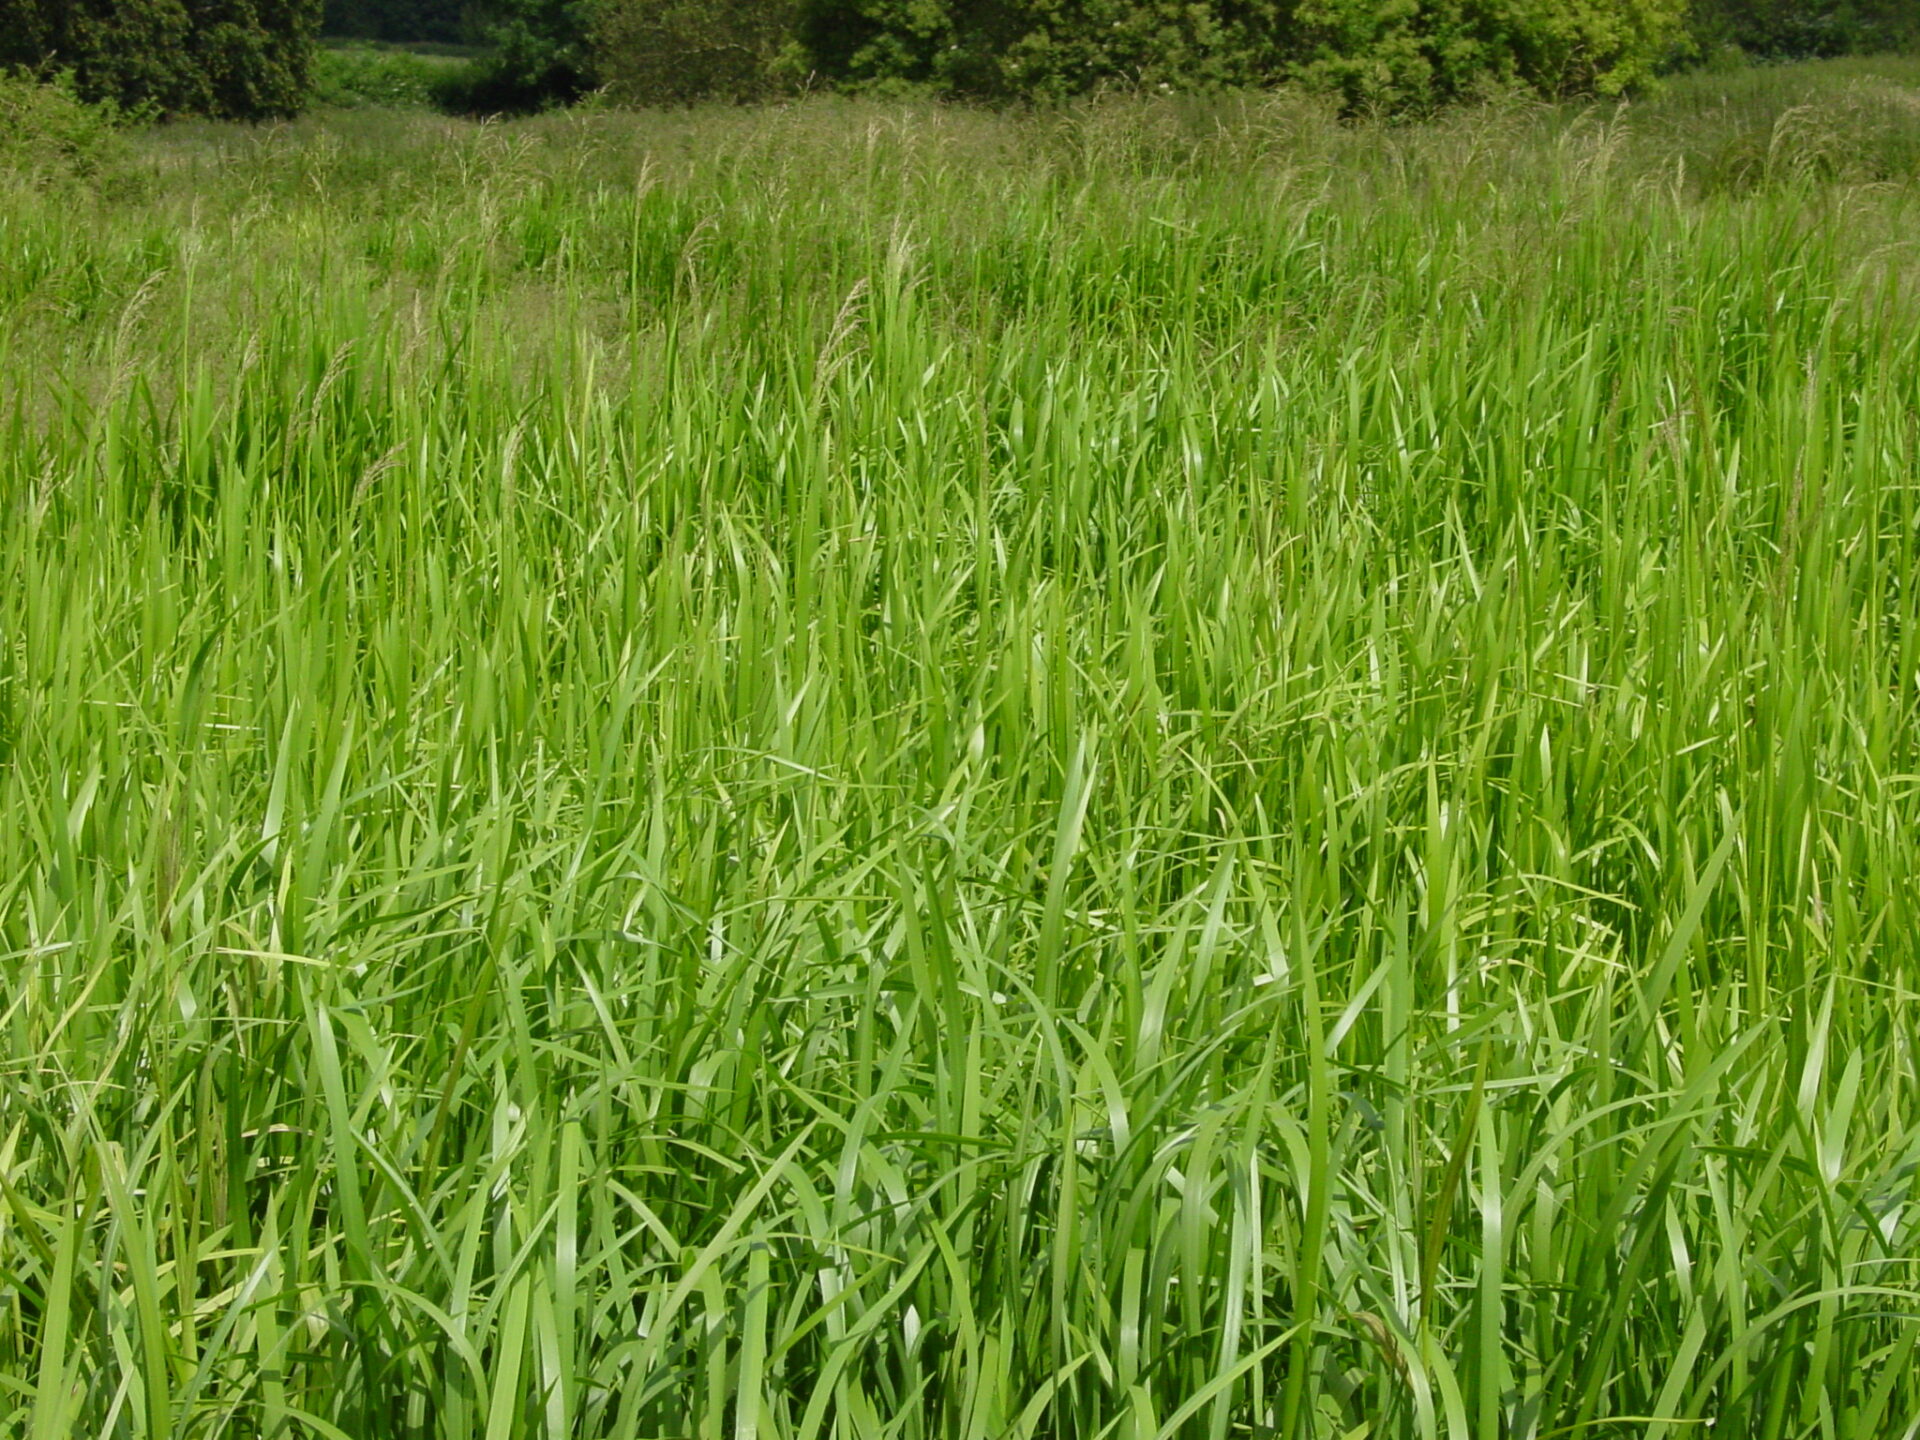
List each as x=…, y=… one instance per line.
x=1161, y=771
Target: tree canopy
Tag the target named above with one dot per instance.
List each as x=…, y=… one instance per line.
x=250, y=59
x=1802, y=29
x=228, y=59
x=442, y=21
x=1391, y=53
x=1375, y=54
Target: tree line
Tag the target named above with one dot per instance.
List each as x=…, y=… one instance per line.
x=1374, y=54
x=249, y=59
x=444, y=22
x=228, y=59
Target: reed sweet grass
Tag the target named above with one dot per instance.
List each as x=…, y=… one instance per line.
x=1165, y=770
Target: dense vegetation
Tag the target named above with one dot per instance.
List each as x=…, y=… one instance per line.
x=353, y=74
x=253, y=59
x=49, y=133
x=230, y=59
x=1162, y=770
x=1799, y=29
x=1392, y=54
x=444, y=21
x=1410, y=55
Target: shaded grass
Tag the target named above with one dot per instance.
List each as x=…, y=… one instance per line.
x=1164, y=770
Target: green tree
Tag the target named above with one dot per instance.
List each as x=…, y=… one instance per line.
x=1419, y=52
x=228, y=59
x=540, y=55
x=256, y=55
x=1796, y=29
x=1393, y=53
x=1045, y=47
x=664, y=52
x=442, y=21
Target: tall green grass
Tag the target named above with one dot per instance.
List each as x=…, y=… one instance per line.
x=1167, y=770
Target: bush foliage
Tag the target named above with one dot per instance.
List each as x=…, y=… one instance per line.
x=49, y=133
x=352, y=75
x=1373, y=54
x=442, y=21
x=227, y=59
x=670, y=51
x=1396, y=54
x=539, y=55
x=1804, y=29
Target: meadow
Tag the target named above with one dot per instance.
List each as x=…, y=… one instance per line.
x=1157, y=770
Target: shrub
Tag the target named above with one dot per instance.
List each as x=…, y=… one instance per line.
x=1803, y=29
x=539, y=56
x=1374, y=53
x=1040, y=47
x=226, y=59
x=1419, y=52
x=354, y=76
x=441, y=21
x=674, y=51
x=48, y=131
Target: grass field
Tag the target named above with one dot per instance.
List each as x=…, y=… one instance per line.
x=1163, y=770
